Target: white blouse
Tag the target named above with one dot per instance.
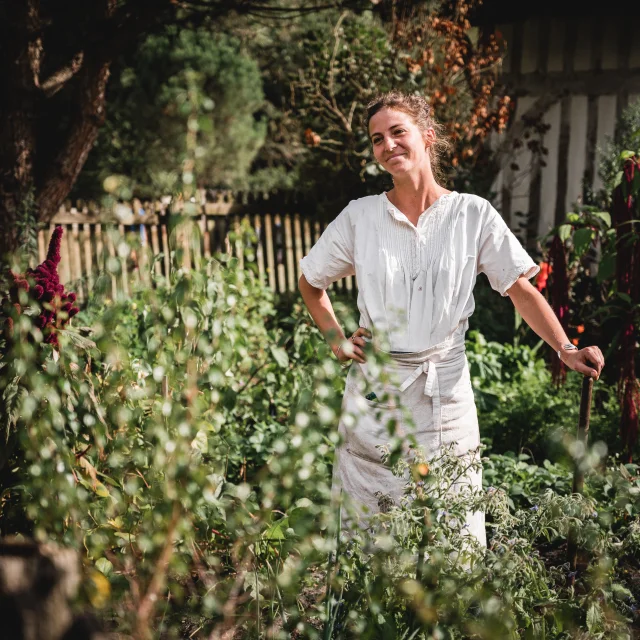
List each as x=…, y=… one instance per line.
x=415, y=283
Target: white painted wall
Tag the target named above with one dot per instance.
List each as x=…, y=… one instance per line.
x=520, y=181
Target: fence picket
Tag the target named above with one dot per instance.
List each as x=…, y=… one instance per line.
x=297, y=244
x=289, y=254
x=271, y=267
x=114, y=261
x=90, y=245
x=257, y=227
x=88, y=262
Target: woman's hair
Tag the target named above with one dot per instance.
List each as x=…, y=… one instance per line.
x=419, y=110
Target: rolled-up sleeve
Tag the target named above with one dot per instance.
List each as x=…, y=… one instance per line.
x=500, y=255
x=331, y=257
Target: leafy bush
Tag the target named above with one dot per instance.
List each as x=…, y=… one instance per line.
x=520, y=409
x=183, y=442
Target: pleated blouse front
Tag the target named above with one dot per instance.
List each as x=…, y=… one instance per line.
x=415, y=282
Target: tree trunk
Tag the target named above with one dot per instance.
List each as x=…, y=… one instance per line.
x=37, y=174
x=18, y=112
x=62, y=173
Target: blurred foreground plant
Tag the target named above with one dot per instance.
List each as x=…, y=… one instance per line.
x=184, y=446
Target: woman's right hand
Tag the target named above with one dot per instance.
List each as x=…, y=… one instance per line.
x=353, y=348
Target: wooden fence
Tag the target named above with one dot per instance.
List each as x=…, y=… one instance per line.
x=127, y=254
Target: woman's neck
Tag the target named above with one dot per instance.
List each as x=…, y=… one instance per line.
x=413, y=196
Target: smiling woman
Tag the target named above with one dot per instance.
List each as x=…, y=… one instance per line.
x=393, y=127
x=415, y=251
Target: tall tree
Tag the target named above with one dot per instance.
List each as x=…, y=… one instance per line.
x=55, y=59
x=322, y=72
x=143, y=140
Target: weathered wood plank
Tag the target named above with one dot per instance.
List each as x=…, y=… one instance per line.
x=88, y=257
x=549, y=178
x=298, y=246
x=271, y=267
x=590, y=143
x=606, y=127
x=530, y=46
x=122, y=255
x=564, y=138
x=577, y=82
x=576, y=153
x=289, y=254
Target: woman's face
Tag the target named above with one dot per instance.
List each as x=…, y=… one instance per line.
x=398, y=145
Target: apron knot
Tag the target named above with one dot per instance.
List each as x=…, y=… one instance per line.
x=431, y=389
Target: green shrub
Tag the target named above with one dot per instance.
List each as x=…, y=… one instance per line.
x=519, y=408
x=182, y=441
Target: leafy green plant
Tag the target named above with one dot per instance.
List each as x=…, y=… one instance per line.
x=182, y=441
x=522, y=411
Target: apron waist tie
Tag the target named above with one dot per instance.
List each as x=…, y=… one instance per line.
x=431, y=389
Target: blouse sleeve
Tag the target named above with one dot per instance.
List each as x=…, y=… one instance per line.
x=500, y=255
x=331, y=257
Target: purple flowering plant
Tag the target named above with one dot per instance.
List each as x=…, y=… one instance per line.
x=44, y=288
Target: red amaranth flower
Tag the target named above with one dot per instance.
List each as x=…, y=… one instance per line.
x=57, y=306
x=559, y=298
x=628, y=282
x=53, y=254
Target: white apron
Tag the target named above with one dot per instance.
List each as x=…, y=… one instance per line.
x=435, y=388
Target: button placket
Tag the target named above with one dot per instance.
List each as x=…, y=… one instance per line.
x=415, y=262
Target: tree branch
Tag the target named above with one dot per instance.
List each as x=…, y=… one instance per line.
x=57, y=80
x=34, y=47
x=73, y=151
x=332, y=63
x=145, y=609
x=537, y=109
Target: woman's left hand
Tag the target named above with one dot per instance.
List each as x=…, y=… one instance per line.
x=588, y=361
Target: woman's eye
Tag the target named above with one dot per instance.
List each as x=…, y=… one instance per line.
x=399, y=130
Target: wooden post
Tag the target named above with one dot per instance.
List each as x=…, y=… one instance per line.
x=578, y=473
x=112, y=254
x=123, y=261
x=88, y=258
x=166, y=250
x=289, y=256
x=155, y=248
x=257, y=227
x=42, y=246
x=271, y=268
x=100, y=258
x=298, y=245
x=65, y=263
x=75, y=249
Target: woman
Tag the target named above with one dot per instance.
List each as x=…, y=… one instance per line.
x=415, y=251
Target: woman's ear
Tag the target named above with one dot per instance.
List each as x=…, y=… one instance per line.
x=429, y=137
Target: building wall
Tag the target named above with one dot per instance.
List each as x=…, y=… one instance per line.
x=581, y=73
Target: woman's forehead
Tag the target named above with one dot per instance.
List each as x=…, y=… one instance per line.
x=387, y=118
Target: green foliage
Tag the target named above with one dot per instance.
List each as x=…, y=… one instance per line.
x=523, y=481
x=149, y=106
x=182, y=441
x=320, y=72
x=317, y=73
x=626, y=137
x=521, y=410
x=286, y=104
